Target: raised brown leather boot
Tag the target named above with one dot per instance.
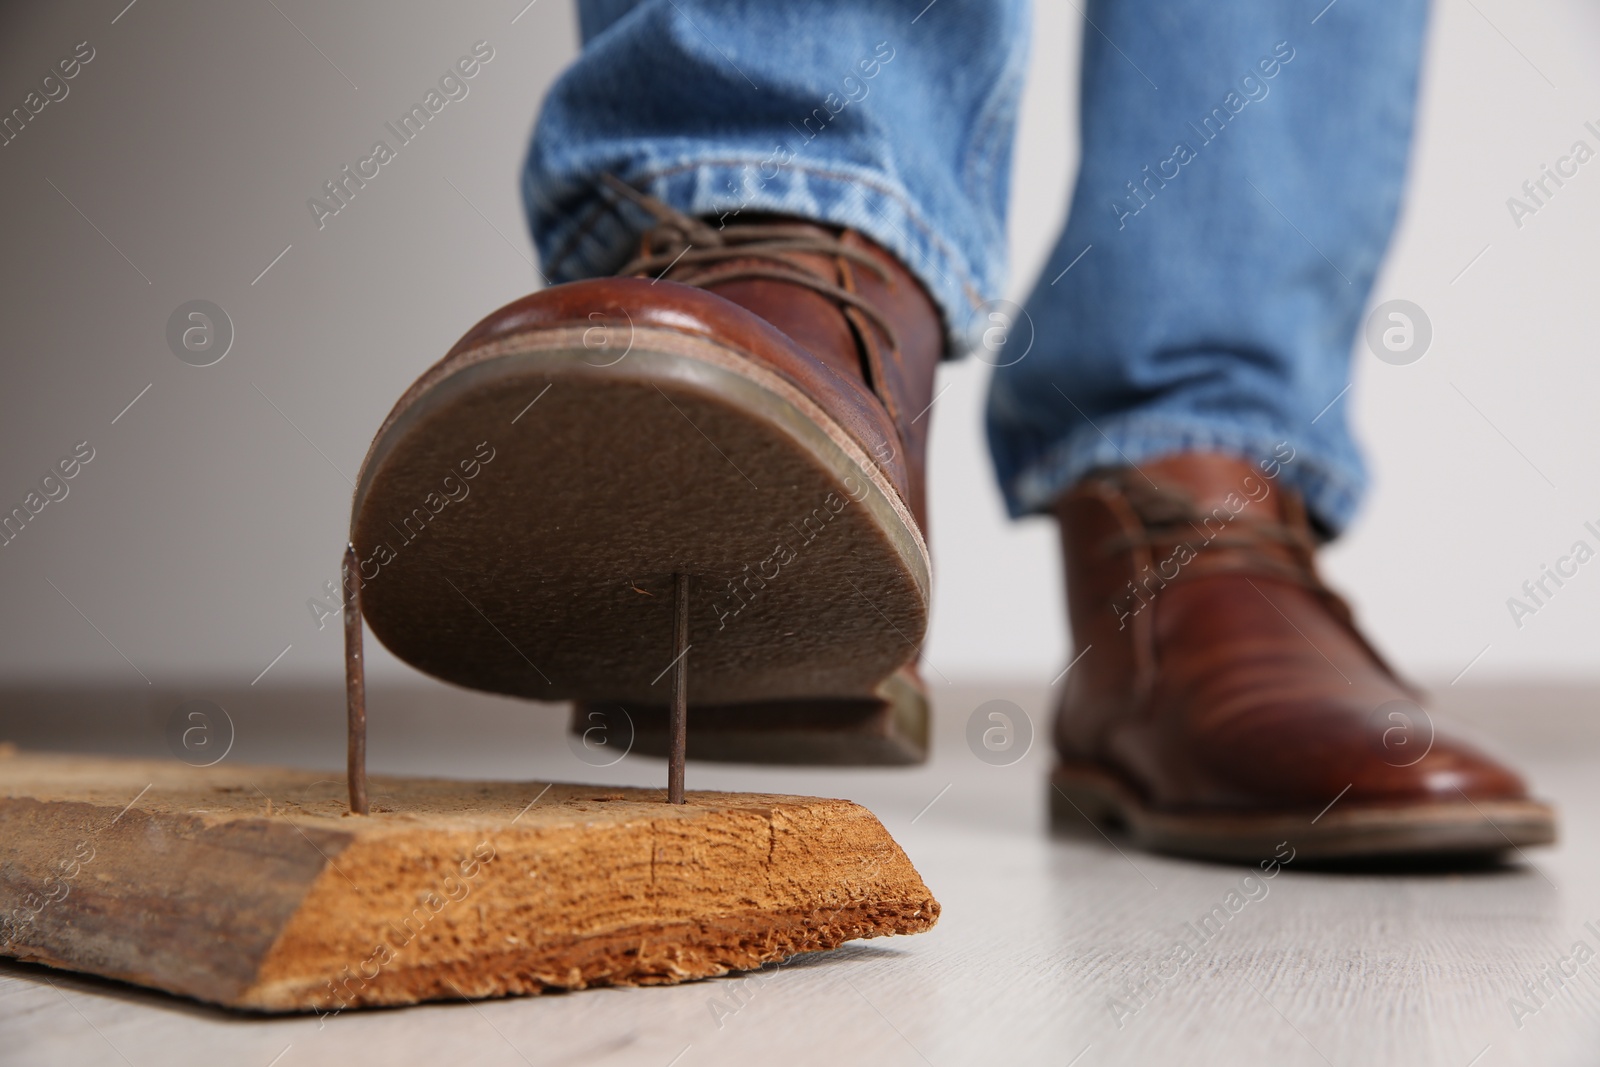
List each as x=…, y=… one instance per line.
x=746, y=406
x=1226, y=706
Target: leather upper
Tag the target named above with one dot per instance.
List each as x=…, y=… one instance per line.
x=1220, y=672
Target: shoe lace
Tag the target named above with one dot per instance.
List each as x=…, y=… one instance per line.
x=1170, y=517
x=693, y=252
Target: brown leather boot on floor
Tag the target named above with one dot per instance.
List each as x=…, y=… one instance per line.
x=1226, y=706
x=745, y=405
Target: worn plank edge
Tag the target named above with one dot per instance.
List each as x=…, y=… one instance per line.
x=252, y=888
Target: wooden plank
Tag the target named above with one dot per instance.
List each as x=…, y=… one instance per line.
x=252, y=887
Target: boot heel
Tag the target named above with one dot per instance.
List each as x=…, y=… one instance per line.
x=1084, y=802
x=888, y=729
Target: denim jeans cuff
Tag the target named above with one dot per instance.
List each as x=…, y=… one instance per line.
x=1332, y=491
x=595, y=237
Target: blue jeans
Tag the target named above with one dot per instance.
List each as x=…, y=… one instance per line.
x=1242, y=166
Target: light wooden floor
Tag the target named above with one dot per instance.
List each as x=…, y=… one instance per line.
x=1039, y=934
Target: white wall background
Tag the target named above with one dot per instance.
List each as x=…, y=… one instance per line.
x=187, y=149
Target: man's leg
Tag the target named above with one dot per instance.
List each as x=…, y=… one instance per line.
x=835, y=173
x=890, y=117
x=1242, y=164
x=1242, y=167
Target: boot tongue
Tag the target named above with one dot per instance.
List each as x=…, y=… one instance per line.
x=1201, y=514
x=1212, y=480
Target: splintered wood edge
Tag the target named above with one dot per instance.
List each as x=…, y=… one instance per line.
x=250, y=886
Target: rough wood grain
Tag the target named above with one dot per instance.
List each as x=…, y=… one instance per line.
x=250, y=886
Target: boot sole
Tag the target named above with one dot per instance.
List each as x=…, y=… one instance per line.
x=1083, y=792
x=548, y=573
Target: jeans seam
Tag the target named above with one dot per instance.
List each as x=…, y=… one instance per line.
x=1060, y=456
x=1004, y=96
x=947, y=253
